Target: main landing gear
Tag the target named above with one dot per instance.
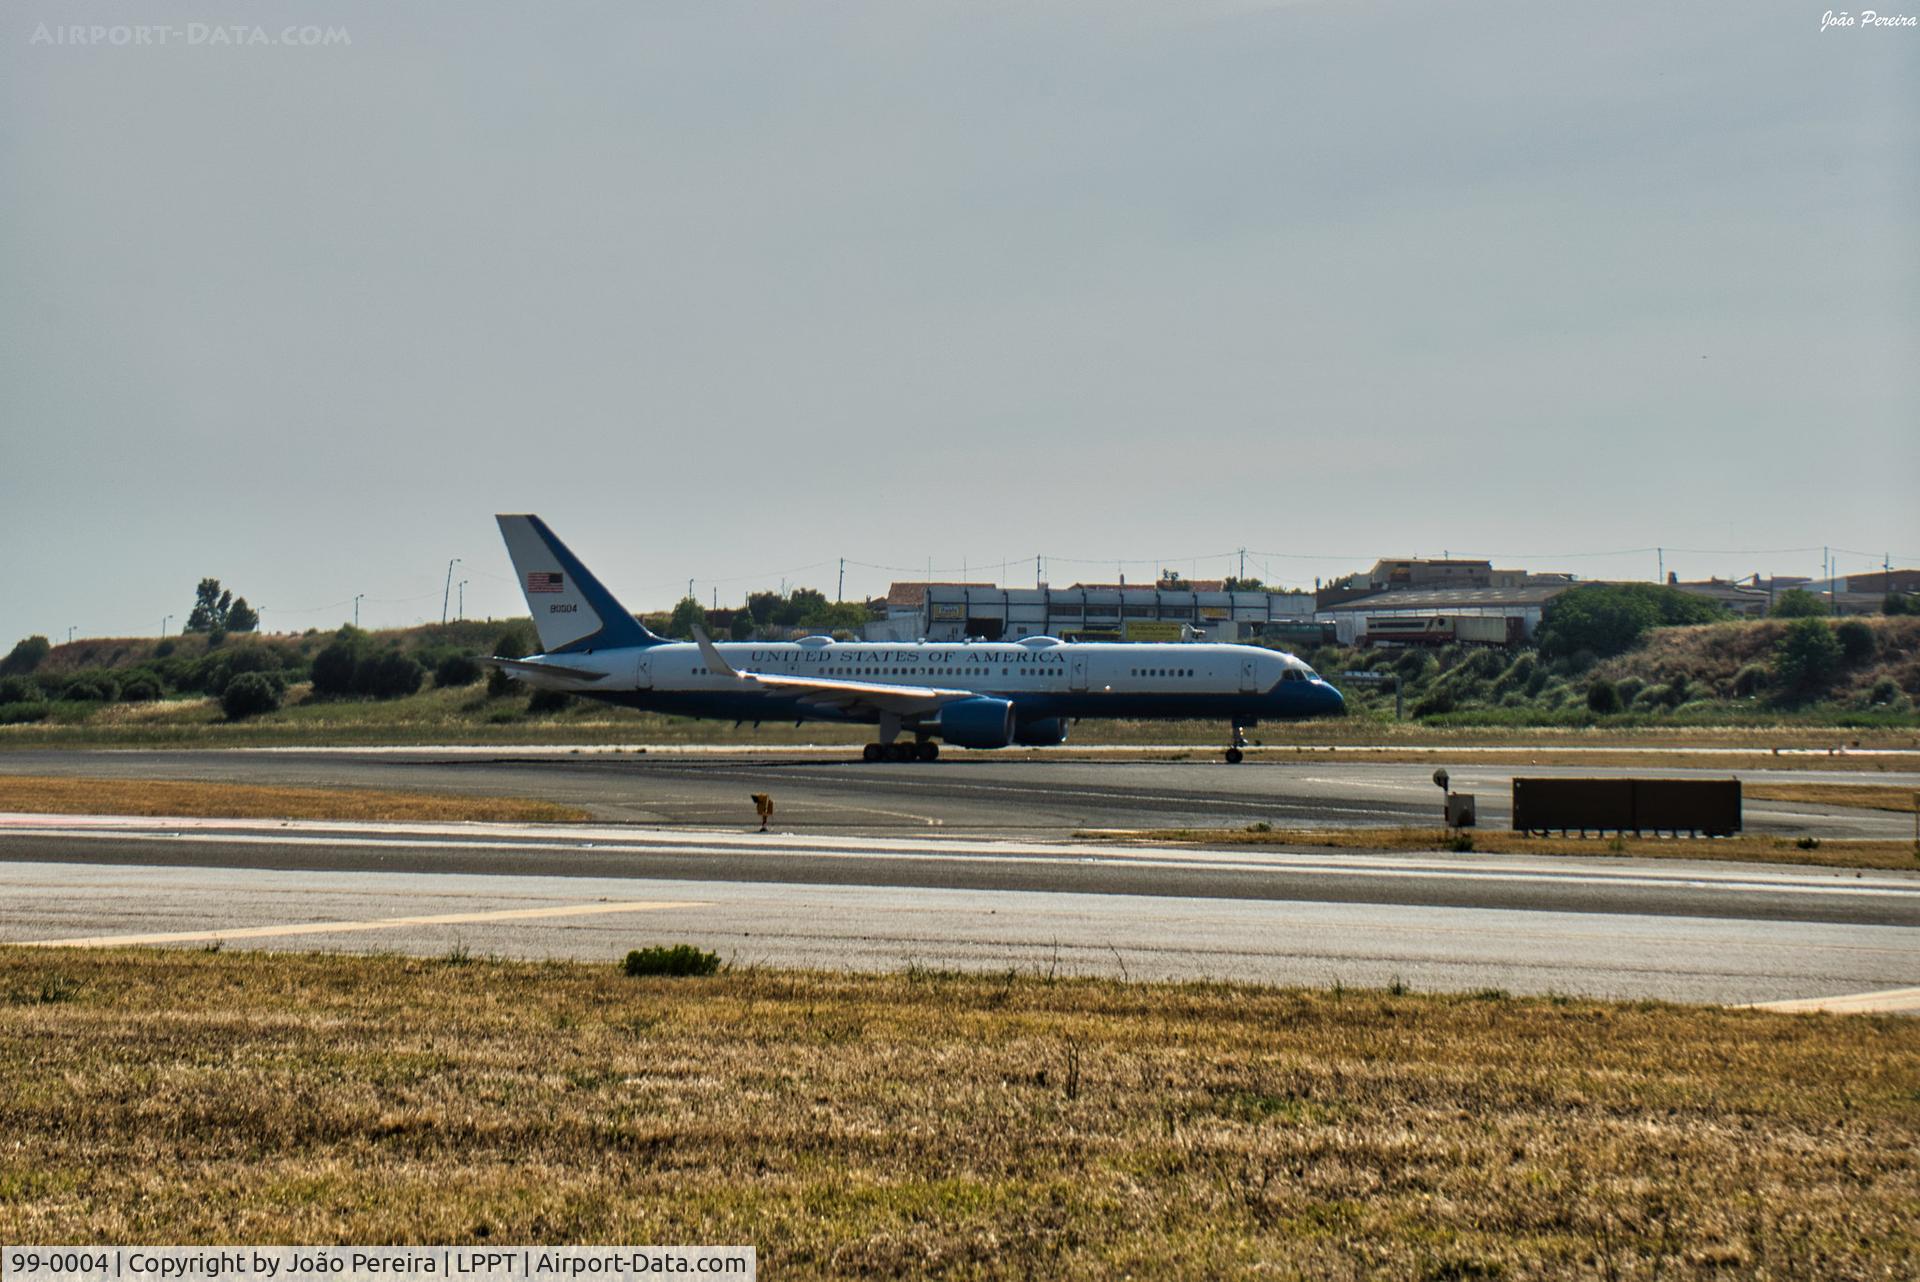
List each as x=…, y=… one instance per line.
x=1239, y=741
x=901, y=750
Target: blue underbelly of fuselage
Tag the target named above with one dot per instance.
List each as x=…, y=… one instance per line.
x=1286, y=702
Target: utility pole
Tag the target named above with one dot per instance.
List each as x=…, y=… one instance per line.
x=463, y=598
x=1243, y=565
x=690, y=595
x=163, y=624
x=1039, y=576
x=447, y=591
x=840, y=593
x=70, y=634
x=356, y=610
x=1662, y=554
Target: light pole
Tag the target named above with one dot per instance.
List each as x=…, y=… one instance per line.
x=163, y=624
x=447, y=591
x=463, y=598
x=70, y=628
x=356, y=610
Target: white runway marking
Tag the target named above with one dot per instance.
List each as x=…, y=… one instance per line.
x=381, y=923
x=1889, y=1001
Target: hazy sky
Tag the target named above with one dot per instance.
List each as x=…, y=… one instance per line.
x=729, y=290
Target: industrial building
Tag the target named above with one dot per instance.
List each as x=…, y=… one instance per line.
x=1167, y=611
x=1524, y=602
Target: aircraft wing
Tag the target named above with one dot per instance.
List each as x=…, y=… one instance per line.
x=544, y=669
x=845, y=696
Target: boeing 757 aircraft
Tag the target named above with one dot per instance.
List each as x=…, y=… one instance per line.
x=972, y=694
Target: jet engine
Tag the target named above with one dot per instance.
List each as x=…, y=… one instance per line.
x=1041, y=734
x=980, y=722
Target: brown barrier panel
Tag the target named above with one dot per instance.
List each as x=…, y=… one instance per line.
x=1572, y=804
x=1710, y=806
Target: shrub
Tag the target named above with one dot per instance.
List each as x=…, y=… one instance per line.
x=91, y=687
x=499, y=684
x=1628, y=688
x=1857, y=642
x=140, y=689
x=1414, y=665
x=1654, y=698
x=25, y=656
x=1602, y=697
x=14, y=714
x=1807, y=658
x=333, y=667
x=1798, y=603
x=456, y=670
x=249, y=694
x=517, y=642
x=19, y=689
x=164, y=649
x=1751, y=680
x=1610, y=618
x=679, y=960
x=549, y=701
x=387, y=675
x=1885, y=691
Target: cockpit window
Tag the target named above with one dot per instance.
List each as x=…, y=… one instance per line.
x=1308, y=674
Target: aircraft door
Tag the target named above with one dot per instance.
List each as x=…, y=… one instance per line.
x=643, y=672
x=1077, y=672
x=1249, y=676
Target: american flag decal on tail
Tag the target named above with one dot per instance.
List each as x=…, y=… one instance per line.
x=546, y=581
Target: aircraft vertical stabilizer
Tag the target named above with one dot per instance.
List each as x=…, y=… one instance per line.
x=571, y=610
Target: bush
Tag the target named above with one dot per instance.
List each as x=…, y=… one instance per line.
x=1602, y=697
x=1857, y=642
x=14, y=714
x=387, y=675
x=91, y=687
x=1885, y=691
x=1807, y=658
x=1798, y=603
x=333, y=667
x=679, y=960
x=25, y=656
x=140, y=689
x=1654, y=698
x=1610, y=618
x=517, y=642
x=1751, y=680
x=499, y=684
x=164, y=649
x=456, y=670
x=19, y=689
x=249, y=694
x=1628, y=688
x=549, y=701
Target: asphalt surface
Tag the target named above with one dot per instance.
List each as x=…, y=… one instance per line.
x=972, y=794
x=968, y=863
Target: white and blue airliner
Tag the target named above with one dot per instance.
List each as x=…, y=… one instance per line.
x=969, y=694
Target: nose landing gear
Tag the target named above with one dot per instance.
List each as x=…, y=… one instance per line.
x=1234, y=745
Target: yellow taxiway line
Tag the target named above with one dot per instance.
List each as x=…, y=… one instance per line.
x=379, y=923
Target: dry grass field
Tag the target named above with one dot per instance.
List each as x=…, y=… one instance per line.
x=39, y=794
x=937, y=1125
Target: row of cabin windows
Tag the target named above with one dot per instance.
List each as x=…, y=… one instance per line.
x=1163, y=672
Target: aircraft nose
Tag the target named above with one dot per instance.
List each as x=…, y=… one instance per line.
x=1334, y=704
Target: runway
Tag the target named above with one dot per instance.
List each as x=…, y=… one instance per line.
x=962, y=864
x=1621, y=928
x=974, y=794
